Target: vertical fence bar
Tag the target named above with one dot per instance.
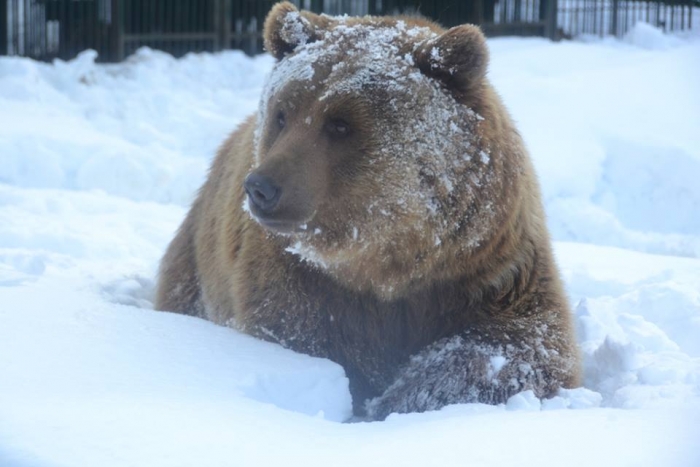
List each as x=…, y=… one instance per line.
x=226, y=24
x=214, y=24
x=200, y=25
x=195, y=24
x=29, y=29
x=150, y=15
x=4, y=29
x=14, y=37
x=690, y=14
x=673, y=17
x=658, y=15
x=516, y=10
x=603, y=18
x=97, y=18
x=23, y=24
x=236, y=13
x=10, y=27
x=621, y=18
x=105, y=30
x=171, y=8
x=542, y=14
x=682, y=17
x=209, y=25
x=118, y=20
x=550, y=20
x=662, y=16
x=372, y=7
x=88, y=20
x=134, y=27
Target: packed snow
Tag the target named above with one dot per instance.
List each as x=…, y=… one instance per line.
x=99, y=162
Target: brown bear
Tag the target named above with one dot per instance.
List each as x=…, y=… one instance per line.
x=381, y=211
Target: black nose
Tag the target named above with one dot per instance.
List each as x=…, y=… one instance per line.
x=262, y=191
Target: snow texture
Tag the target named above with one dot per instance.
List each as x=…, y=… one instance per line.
x=98, y=164
x=295, y=29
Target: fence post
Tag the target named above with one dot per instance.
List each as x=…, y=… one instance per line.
x=3, y=27
x=316, y=6
x=216, y=18
x=517, y=9
x=690, y=14
x=224, y=24
x=488, y=11
x=550, y=19
x=372, y=7
x=117, y=32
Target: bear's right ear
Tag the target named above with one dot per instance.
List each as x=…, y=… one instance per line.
x=458, y=58
x=286, y=29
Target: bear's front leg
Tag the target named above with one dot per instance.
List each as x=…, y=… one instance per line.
x=477, y=367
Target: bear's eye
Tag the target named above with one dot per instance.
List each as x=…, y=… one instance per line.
x=281, y=121
x=338, y=127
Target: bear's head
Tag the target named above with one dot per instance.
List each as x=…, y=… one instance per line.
x=373, y=151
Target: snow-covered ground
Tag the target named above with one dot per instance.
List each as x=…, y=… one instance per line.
x=97, y=167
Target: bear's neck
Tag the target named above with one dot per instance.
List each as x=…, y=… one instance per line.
x=498, y=273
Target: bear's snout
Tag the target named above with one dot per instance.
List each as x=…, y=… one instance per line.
x=279, y=202
x=263, y=192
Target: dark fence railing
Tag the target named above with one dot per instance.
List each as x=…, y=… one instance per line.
x=616, y=17
x=47, y=29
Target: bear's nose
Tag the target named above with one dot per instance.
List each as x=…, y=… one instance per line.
x=262, y=191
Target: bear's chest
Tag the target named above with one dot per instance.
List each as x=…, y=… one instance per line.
x=369, y=337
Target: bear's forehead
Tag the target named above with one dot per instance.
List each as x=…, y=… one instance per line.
x=346, y=35
x=349, y=57
x=375, y=63
x=371, y=40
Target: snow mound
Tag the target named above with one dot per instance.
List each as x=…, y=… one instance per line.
x=615, y=143
x=646, y=36
x=133, y=356
x=525, y=400
x=638, y=318
x=144, y=129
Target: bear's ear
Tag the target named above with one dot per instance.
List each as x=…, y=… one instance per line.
x=286, y=28
x=458, y=57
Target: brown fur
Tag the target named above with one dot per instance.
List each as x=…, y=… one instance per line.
x=410, y=303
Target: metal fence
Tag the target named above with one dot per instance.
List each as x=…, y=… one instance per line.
x=47, y=29
x=616, y=17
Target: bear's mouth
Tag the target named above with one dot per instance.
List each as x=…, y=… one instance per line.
x=280, y=227
x=274, y=215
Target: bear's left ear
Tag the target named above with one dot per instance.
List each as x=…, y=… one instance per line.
x=286, y=28
x=458, y=57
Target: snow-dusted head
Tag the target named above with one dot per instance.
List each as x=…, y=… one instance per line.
x=374, y=151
